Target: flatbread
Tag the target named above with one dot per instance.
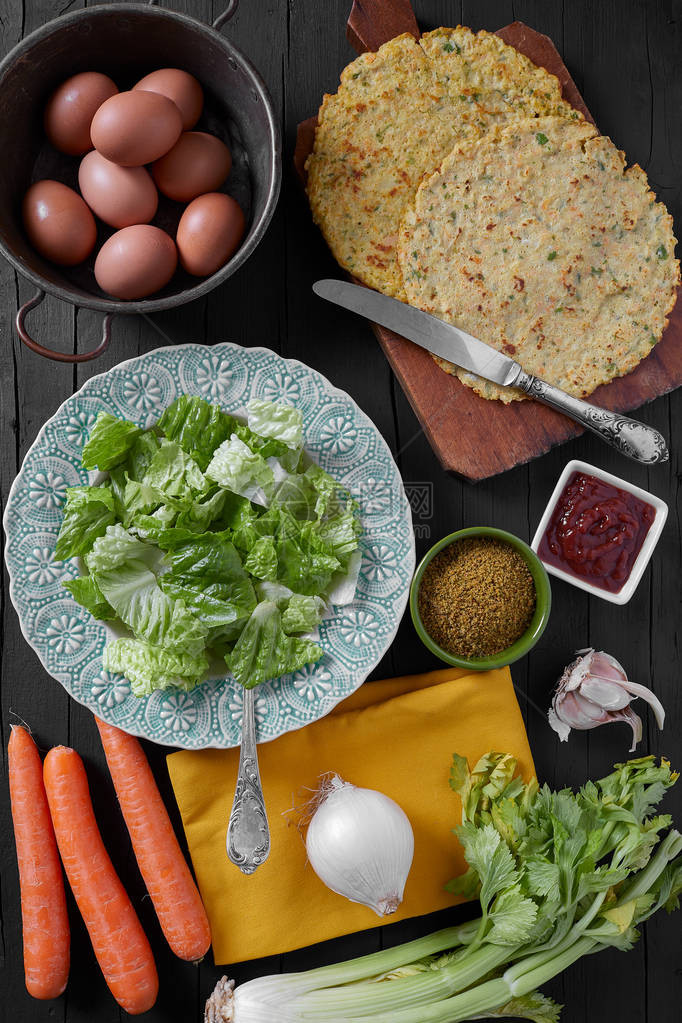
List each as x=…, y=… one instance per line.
x=397, y=114
x=536, y=239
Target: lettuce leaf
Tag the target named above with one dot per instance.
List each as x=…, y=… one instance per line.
x=199, y=515
x=236, y=512
x=141, y=454
x=305, y=563
x=176, y=522
x=239, y=469
x=199, y=428
x=308, y=495
x=88, y=512
x=215, y=604
x=132, y=497
x=300, y=613
x=87, y=593
x=124, y=570
x=134, y=593
x=275, y=592
x=175, y=473
x=261, y=561
x=109, y=442
x=207, y=574
x=303, y=614
x=343, y=584
x=279, y=422
x=155, y=530
x=211, y=556
x=341, y=533
x=148, y=667
x=116, y=547
x=273, y=521
x=269, y=447
x=264, y=651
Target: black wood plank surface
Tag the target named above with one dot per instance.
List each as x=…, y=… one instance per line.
x=625, y=57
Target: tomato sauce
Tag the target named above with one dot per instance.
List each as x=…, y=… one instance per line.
x=596, y=531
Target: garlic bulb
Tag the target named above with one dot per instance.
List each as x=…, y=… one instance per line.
x=594, y=690
x=360, y=844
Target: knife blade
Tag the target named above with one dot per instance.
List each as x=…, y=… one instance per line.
x=632, y=438
x=438, y=337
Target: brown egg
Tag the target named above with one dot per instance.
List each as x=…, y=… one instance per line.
x=134, y=128
x=71, y=108
x=136, y=262
x=197, y=163
x=58, y=223
x=179, y=86
x=120, y=196
x=209, y=232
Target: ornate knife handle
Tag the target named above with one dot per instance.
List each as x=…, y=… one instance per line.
x=248, y=835
x=631, y=438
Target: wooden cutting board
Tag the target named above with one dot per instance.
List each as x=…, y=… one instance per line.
x=473, y=437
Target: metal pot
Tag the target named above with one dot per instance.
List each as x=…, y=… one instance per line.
x=126, y=41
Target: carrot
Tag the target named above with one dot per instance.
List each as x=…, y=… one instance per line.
x=45, y=922
x=118, y=940
x=168, y=879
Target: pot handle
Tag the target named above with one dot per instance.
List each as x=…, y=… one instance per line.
x=228, y=13
x=48, y=353
x=221, y=20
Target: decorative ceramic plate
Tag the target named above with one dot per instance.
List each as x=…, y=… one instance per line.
x=338, y=435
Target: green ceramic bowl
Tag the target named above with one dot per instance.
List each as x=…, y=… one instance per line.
x=539, y=620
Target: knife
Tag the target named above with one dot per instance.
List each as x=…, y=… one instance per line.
x=631, y=438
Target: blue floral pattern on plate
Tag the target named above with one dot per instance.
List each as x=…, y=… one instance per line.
x=69, y=642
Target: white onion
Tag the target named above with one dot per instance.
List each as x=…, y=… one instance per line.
x=360, y=844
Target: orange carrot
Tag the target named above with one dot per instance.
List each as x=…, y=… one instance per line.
x=168, y=879
x=45, y=922
x=118, y=940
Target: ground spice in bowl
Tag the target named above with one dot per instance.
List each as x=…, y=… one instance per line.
x=477, y=597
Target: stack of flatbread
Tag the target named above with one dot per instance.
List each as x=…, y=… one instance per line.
x=450, y=173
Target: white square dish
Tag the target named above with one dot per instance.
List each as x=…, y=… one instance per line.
x=651, y=539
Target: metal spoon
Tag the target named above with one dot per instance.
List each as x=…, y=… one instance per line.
x=248, y=835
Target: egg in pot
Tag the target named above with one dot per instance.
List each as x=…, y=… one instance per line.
x=209, y=233
x=120, y=196
x=197, y=163
x=147, y=125
x=58, y=223
x=134, y=128
x=136, y=262
x=71, y=108
x=180, y=87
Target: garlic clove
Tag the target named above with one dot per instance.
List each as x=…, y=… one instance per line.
x=609, y=695
x=568, y=711
x=594, y=690
x=577, y=713
x=591, y=713
x=605, y=666
x=649, y=697
x=562, y=728
x=635, y=722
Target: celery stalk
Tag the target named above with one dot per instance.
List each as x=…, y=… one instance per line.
x=403, y=992
x=558, y=875
x=374, y=965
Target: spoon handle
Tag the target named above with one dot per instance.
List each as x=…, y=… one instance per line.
x=248, y=835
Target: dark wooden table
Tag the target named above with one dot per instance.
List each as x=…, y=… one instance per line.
x=625, y=58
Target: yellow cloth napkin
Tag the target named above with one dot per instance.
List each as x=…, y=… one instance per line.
x=396, y=736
